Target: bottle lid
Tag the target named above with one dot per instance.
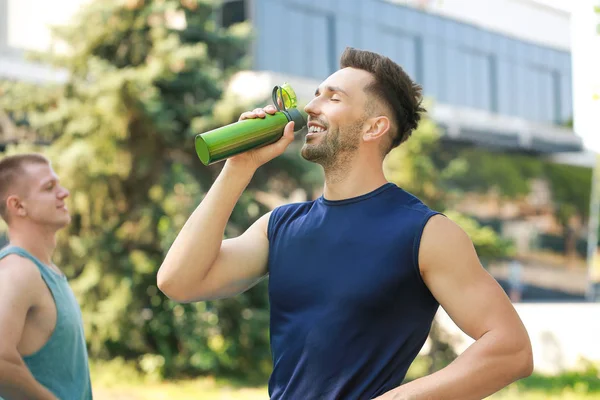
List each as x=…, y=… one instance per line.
x=284, y=97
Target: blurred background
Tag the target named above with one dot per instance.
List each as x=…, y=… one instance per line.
x=115, y=91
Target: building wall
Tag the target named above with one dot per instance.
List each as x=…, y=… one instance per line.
x=507, y=57
x=544, y=22
x=457, y=63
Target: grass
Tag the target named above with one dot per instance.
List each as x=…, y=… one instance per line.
x=117, y=380
x=569, y=386
x=199, y=389
x=515, y=393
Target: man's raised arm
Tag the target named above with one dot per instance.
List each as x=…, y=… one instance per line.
x=200, y=265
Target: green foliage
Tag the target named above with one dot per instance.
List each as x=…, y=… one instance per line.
x=144, y=78
x=412, y=167
x=571, y=189
x=581, y=384
x=588, y=382
x=509, y=174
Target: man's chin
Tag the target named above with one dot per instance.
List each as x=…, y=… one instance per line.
x=308, y=153
x=311, y=154
x=63, y=222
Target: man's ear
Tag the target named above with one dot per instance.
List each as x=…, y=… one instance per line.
x=377, y=128
x=15, y=206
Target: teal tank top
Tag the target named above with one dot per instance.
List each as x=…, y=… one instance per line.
x=61, y=365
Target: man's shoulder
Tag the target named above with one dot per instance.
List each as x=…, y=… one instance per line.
x=442, y=234
x=407, y=211
x=19, y=275
x=408, y=201
x=288, y=212
x=293, y=208
x=18, y=270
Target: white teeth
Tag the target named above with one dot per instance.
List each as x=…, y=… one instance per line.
x=315, y=129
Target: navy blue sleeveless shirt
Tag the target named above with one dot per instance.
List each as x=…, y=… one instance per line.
x=349, y=310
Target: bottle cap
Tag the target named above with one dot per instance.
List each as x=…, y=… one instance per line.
x=284, y=97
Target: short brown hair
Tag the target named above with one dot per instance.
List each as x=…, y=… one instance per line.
x=392, y=86
x=11, y=169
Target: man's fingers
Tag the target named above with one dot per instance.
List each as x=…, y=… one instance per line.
x=279, y=146
x=289, y=129
x=258, y=112
x=247, y=115
x=288, y=134
x=270, y=109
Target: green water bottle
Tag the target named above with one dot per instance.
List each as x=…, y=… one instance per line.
x=221, y=143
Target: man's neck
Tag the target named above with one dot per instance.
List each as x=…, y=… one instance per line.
x=39, y=242
x=351, y=178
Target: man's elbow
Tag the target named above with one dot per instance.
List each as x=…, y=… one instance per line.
x=168, y=286
x=524, y=360
x=173, y=293
x=178, y=290
x=162, y=280
x=527, y=365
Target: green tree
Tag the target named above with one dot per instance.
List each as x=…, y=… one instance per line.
x=144, y=78
x=509, y=174
x=571, y=191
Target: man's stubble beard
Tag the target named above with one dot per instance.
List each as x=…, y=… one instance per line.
x=336, y=148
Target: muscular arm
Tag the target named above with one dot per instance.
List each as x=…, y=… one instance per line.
x=17, y=277
x=202, y=266
x=199, y=264
x=501, y=353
